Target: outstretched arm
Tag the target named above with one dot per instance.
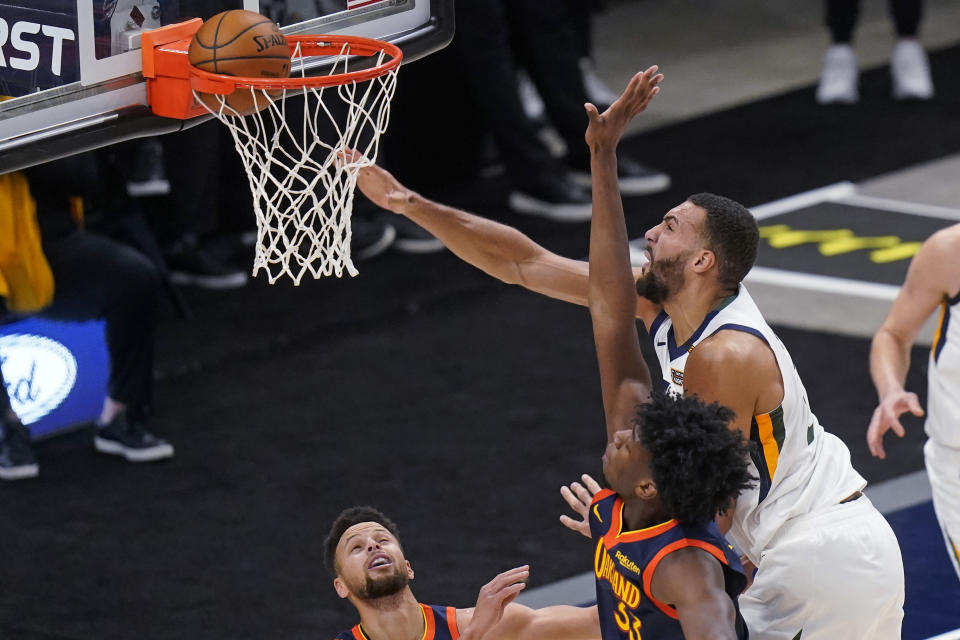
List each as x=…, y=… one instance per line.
x=612, y=295
x=498, y=250
x=497, y=617
x=549, y=623
x=934, y=275
x=492, y=602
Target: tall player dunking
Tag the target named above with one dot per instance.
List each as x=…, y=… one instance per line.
x=829, y=564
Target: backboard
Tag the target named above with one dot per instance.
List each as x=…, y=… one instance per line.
x=70, y=70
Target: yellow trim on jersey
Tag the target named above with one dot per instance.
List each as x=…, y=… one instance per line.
x=771, y=451
x=597, y=513
x=426, y=627
x=939, y=332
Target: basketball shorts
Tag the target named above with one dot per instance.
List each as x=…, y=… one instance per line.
x=943, y=468
x=836, y=573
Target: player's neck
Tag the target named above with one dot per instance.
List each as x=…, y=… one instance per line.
x=689, y=307
x=396, y=617
x=640, y=514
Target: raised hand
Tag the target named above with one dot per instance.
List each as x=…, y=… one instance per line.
x=579, y=496
x=605, y=129
x=887, y=416
x=493, y=599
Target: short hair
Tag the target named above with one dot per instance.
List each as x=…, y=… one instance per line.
x=732, y=234
x=698, y=462
x=347, y=518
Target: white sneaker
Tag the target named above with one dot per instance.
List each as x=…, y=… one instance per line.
x=838, y=82
x=597, y=90
x=911, y=71
x=529, y=96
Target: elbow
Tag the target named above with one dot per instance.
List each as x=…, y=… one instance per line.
x=596, y=301
x=514, y=275
x=887, y=338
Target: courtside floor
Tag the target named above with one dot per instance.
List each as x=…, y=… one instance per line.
x=832, y=259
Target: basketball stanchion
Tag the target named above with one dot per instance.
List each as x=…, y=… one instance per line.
x=301, y=178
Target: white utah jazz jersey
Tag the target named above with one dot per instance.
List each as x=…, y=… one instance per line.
x=943, y=379
x=800, y=467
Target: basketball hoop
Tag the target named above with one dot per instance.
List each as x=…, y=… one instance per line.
x=302, y=185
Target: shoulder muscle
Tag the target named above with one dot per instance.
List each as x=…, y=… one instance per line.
x=735, y=369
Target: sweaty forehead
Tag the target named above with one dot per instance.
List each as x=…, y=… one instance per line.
x=361, y=530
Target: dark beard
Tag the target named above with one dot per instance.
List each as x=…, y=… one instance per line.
x=662, y=280
x=383, y=587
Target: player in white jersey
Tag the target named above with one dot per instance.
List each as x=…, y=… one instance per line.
x=829, y=565
x=933, y=280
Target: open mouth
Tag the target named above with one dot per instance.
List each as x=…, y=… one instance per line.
x=379, y=560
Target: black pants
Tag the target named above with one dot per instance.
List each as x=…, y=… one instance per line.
x=486, y=32
x=842, y=18
x=97, y=278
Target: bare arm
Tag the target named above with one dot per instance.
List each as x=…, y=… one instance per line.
x=612, y=296
x=738, y=370
x=494, y=248
x=492, y=603
x=934, y=275
x=549, y=623
x=692, y=581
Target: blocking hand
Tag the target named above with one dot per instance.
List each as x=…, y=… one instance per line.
x=605, y=129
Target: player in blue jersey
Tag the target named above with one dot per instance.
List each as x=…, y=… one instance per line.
x=663, y=569
x=364, y=555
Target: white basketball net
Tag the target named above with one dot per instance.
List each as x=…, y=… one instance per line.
x=302, y=186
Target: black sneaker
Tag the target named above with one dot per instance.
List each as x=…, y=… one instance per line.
x=149, y=177
x=16, y=457
x=369, y=237
x=411, y=237
x=122, y=437
x=189, y=264
x=553, y=198
x=635, y=179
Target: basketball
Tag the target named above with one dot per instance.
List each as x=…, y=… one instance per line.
x=241, y=43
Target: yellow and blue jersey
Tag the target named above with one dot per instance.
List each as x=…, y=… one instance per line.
x=439, y=623
x=624, y=564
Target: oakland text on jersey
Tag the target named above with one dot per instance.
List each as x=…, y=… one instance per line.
x=604, y=567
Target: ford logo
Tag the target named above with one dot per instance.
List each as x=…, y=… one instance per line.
x=38, y=372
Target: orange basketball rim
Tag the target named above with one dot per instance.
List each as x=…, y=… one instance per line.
x=171, y=79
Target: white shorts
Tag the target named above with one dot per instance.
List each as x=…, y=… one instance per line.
x=943, y=468
x=833, y=574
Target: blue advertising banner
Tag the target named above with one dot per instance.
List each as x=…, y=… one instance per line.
x=55, y=372
x=38, y=45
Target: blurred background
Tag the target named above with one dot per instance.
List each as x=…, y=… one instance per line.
x=454, y=403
